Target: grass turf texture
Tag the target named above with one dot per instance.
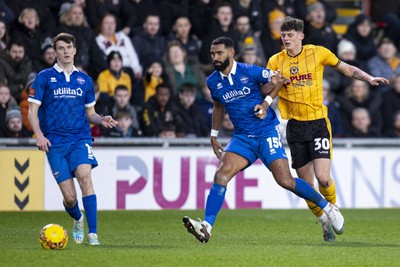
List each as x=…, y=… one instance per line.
x=240, y=238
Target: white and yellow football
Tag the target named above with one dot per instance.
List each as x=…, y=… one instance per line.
x=53, y=236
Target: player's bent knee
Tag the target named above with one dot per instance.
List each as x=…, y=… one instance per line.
x=69, y=201
x=221, y=178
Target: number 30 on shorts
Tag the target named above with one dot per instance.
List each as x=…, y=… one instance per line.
x=321, y=143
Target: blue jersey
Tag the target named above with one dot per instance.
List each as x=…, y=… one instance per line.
x=239, y=93
x=62, y=98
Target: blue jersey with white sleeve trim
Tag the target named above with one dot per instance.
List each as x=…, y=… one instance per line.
x=239, y=92
x=62, y=98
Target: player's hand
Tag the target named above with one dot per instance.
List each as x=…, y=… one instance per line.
x=378, y=80
x=109, y=122
x=277, y=77
x=43, y=143
x=218, y=149
x=260, y=110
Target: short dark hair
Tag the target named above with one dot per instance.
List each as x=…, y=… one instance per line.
x=17, y=42
x=187, y=87
x=121, y=87
x=123, y=114
x=66, y=37
x=163, y=85
x=290, y=23
x=223, y=40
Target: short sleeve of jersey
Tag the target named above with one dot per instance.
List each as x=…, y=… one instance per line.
x=272, y=63
x=259, y=74
x=90, y=99
x=327, y=57
x=38, y=89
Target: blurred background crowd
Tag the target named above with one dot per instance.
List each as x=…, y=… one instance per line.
x=149, y=59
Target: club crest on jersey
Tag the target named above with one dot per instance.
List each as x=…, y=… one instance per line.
x=265, y=73
x=219, y=86
x=244, y=79
x=294, y=70
x=53, y=80
x=80, y=80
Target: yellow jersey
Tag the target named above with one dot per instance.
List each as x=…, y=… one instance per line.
x=302, y=99
x=108, y=82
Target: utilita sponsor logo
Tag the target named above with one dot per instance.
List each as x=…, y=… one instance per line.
x=68, y=91
x=234, y=94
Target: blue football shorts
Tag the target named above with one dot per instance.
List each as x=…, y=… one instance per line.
x=65, y=159
x=267, y=148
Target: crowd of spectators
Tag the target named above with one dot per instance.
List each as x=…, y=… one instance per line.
x=149, y=59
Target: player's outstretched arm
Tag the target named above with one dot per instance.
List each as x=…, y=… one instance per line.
x=354, y=72
x=94, y=118
x=217, y=117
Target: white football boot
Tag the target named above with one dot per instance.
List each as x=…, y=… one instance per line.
x=78, y=230
x=196, y=228
x=335, y=218
x=93, y=240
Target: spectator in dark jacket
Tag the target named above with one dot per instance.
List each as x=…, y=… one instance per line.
x=73, y=21
x=28, y=32
x=15, y=67
x=142, y=8
x=149, y=44
x=391, y=104
x=360, y=34
x=252, y=9
x=318, y=30
x=189, y=119
x=48, y=23
x=201, y=16
x=157, y=111
x=358, y=96
x=222, y=25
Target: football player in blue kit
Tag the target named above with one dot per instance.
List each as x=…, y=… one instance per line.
x=61, y=106
x=235, y=89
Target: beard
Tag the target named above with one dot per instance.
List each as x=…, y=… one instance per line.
x=223, y=65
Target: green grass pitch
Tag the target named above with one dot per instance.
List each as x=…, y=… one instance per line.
x=239, y=238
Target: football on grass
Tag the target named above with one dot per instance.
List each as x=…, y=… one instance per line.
x=53, y=236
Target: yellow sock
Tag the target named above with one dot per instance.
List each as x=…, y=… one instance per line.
x=314, y=208
x=329, y=193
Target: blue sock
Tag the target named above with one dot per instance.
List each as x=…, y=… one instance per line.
x=90, y=205
x=304, y=190
x=74, y=212
x=215, y=200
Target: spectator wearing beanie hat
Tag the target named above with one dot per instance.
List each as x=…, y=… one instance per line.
x=338, y=81
x=346, y=50
x=14, y=127
x=112, y=77
x=48, y=56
